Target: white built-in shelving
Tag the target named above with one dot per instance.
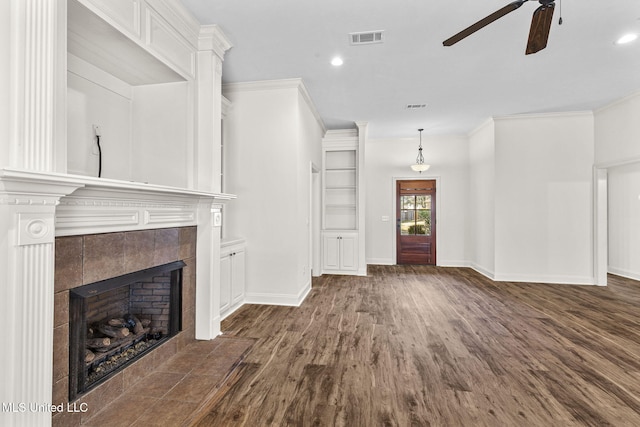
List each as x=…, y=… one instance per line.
x=342, y=206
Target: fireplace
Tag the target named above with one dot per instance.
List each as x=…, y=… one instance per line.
x=147, y=261
x=114, y=322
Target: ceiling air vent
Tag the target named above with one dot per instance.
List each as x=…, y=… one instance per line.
x=367, y=37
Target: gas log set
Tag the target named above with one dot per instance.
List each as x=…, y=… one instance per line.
x=117, y=320
x=113, y=342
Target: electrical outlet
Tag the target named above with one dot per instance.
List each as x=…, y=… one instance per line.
x=97, y=130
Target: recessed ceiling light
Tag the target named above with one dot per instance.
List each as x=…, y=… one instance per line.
x=627, y=38
x=337, y=61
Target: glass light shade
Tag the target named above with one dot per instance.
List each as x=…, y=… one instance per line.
x=420, y=167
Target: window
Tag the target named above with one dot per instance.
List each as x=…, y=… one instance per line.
x=415, y=215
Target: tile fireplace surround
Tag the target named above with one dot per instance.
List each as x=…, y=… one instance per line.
x=80, y=260
x=63, y=231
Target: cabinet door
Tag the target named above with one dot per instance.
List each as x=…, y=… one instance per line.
x=225, y=283
x=348, y=253
x=237, y=277
x=331, y=249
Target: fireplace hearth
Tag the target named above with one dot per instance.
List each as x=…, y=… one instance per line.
x=115, y=321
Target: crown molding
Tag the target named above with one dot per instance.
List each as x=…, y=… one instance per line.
x=211, y=37
x=528, y=116
x=617, y=102
x=261, y=85
x=266, y=85
x=180, y=17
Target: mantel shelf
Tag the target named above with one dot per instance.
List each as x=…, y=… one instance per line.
x=103, y=185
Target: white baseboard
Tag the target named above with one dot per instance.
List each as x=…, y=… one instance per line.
x=453, y=263
x=624, y=273
x=487, y=273
x=278, y=299
x=232, y=310
x=561, y=280
x=380, y=261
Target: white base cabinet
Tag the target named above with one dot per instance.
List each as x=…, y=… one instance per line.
x=340, y=252
x=232, y=276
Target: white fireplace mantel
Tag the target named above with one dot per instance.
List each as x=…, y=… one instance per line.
x=36, y=207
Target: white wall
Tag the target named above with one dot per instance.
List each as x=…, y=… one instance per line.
x=543, y=198
x=389, y=159
x=617, y=131
x=309, y=151
x=95, y=97
x=161, y=133
x=271, y=141
x=624, y=220
x=481, y=224
x=145, y=129
x=617, y=141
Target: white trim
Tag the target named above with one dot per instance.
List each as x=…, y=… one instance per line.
x=558, y=280
x=600, y=235
x=395, y=179
x=232, y=310
x=380, y=261
x=481, y=126
x=617, y=102
x=261, y=85
x=544, y=115
x=624, y=273
x=211, y=37
x=487, y=273
x=89, y=72
x=278, y=299
x=296, y=83
x=215, y=326
x=182, y=20
x=600, y=218
x=616, y=163
x=454, y=263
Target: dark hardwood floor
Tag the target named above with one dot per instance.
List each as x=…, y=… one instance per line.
x=431, y=346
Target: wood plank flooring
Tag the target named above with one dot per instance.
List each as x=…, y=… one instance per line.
x=432, y=346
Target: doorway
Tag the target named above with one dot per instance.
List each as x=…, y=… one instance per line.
x=416, y=222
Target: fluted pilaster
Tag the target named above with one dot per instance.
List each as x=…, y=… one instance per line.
x=36, y=80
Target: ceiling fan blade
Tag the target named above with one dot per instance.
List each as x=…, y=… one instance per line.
x=484, y=22
x=540, y=27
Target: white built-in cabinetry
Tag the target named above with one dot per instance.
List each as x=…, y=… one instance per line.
x=232, y=276
x=340, y=251
x=149, y=75
x=343, y=201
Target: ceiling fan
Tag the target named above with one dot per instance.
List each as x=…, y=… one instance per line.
x=540, y=24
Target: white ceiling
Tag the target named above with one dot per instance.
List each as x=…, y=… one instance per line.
x=485, y=75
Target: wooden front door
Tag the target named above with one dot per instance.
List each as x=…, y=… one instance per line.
x=416, y=222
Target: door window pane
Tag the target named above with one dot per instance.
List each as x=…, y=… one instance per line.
x=408, y=202
x=415, y=215
x=423, y=222
x=407, y=219
x=423, y=202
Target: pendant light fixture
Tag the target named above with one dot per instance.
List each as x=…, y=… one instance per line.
x=419, y=166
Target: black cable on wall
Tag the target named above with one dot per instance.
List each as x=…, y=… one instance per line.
x=99, y=156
